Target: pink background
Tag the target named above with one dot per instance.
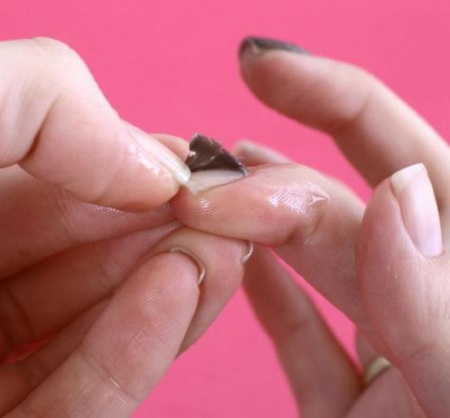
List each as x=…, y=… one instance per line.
x=170, y=66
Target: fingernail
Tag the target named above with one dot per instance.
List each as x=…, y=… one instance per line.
x=248, y=254
x=413, y=189
x=155, y=152
x=258, y=45
x=201, y=267
x=204, y=180
x=248, y=150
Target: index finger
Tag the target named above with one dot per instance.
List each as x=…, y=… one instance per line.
x=373, y=127
x=56, y=124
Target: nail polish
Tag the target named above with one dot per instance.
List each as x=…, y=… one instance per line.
x=258, y=45
x=414, y=192
x=211, y=165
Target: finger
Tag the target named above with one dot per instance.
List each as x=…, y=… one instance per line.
x=388, y=396
x=366, y=353
x=22, y=377
x=41, y=300
x=252, y=154
x=403, y=274
x=38, y=220
x=128, y=349
x=296, y=211
x=376, y=130
x=310, y=354
x=224, y=270
x=72, y=137
x=255, y=154
x=223, y=267
x=388, y=385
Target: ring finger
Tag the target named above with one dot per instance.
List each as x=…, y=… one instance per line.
x=324, y=380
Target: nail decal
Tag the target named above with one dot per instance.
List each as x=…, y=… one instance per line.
x=209, y=154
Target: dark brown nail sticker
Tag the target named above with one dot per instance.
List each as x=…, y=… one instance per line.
x=209, y=154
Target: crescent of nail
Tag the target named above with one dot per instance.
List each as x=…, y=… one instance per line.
x=248, y=254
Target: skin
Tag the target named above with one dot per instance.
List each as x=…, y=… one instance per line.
x=107, y=306
x=94, y=306
x=365, y=259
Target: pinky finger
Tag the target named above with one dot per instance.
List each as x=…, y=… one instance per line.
x=324, y=381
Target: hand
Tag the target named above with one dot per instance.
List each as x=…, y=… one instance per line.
x=383, y=265
x=95, y=302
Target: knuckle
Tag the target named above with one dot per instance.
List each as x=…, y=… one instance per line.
x=308, y=229
x=62, y=64
x=352, y=103
x=43, y=79
x=55, y=49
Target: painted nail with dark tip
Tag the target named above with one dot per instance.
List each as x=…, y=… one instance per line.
x=257, y=46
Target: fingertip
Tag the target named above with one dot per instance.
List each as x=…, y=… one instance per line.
x=157, y=154
x=220, y=265
x=252, y=153
x=397, y=283
x=148, y=174
x=284, y=80
x=382, y=239
x=420, y=214
x=405, y=292
x=74, y=139
x=402, y=214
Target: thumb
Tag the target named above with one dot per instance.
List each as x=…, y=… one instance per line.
x=56, y=124
x=403, y=277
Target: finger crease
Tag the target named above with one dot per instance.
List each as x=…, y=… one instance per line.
x=19, y=329
x=105, y=376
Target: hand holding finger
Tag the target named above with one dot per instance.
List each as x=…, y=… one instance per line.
x=293, y=209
